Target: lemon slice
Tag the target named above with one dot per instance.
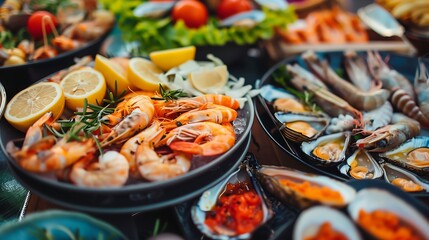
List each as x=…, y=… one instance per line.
x=167, y=59
x=32, y=103
x=83, y=84
x=209, y=79
x=112, y=72
x=144, y=74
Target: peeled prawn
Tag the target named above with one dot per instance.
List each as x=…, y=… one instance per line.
x=111, y=170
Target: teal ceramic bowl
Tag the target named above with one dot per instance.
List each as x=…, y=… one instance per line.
x=60, y=225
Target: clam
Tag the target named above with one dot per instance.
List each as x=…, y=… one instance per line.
x=311, y=220
x=403, y=179
x=328, y=149
x=273, y=4
x=302, y=189
x=247, y=19
x=361, y=165
x=412, y=154
x=220, y=199
x=371, y=204
x=153, y=9
x=300, y=127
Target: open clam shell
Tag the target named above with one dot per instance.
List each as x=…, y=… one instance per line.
x=299, y=127
x=412, y=154
x=247, y=19
x=372, y=199
x=361, y=165
x=288, y=186
x=403, y=179
x=327, y=150
x=238, y=183
x=310, y=221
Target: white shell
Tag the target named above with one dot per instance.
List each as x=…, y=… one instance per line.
x=377, y=171
x=400, y=171
x=152, y=9
x=309, y=221
x=372, y=199
x=244, y=19
x=273, y=4
x=271, y=93
x=308, y=147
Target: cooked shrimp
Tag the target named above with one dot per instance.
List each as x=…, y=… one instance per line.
x=111, y=170
x=129, y=149
x=208, y=113
x=155, y=167
x=141, y=111
x=65, y=44
x=204, y=138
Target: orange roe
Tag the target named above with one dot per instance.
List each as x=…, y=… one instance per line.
x=386, y=225
x=314, y=191
x=239, y=209
x=326, y=232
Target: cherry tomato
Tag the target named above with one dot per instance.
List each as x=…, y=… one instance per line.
x=228, y=8
x=193, y=13
x=35, y=23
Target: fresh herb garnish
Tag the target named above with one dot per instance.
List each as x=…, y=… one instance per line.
x=169, y=95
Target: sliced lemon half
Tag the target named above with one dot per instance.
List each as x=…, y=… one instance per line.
x=144, y=74
x=32, y=103
x=113, y=73
x=170, y=58
x=82, y=84
x=208, y=79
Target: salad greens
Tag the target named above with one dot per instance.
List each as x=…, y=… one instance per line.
x=163, y=33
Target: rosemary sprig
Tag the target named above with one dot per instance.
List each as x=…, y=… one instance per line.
x=169, y=95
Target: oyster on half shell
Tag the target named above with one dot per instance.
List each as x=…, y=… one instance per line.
x=288, y=186
x=403, y=179
x=412, y=154
x=361, y=165
x=212, y=202
x=310, y=221
x=302, y=127
x=328, y=149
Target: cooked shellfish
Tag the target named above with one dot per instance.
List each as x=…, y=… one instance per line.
x=303, y=190
x=327, y=150
x=361, y=165
x=403, y=179
x=302, y=127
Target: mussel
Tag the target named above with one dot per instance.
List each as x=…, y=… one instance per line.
x=327, y=150
x=361, y=165
x=299, y=127
x=247, y=19
x=374, y=207
x=220, y=210
x=317, y=220
x=403, y=179
x=412, y=154
x=303, y=190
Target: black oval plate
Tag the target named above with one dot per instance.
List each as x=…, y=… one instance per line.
x=403, y=64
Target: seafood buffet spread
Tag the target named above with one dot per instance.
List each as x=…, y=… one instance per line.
x=141, y=135
x=363, y=121
x=36, y=30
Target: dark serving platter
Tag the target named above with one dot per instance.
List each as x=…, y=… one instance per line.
x=404, y=64
x=285, y=216
x=140, y=196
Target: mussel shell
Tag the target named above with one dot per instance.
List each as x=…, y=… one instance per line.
x=398, y=156
x=209, y=198
x=391, y=172
x=153, y=9
x=269, y=177
x=308, y=147
x=311, y=219
x=345, y=167
x=245, y=19
x=318, y=122
x=372, y=199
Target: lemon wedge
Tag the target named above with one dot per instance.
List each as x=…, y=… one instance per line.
x=209, y=79
x=82, y=84
x=144, y=74
x=112, y=72
x=32, y=103
x=170, y=58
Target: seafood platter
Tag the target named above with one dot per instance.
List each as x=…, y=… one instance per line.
x=290, y=204
x=34, y=34
x=82, y=153
x=377, y=133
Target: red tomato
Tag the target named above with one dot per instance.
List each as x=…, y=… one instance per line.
x=35, y=23
x=193, y=13
x=228, y=8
